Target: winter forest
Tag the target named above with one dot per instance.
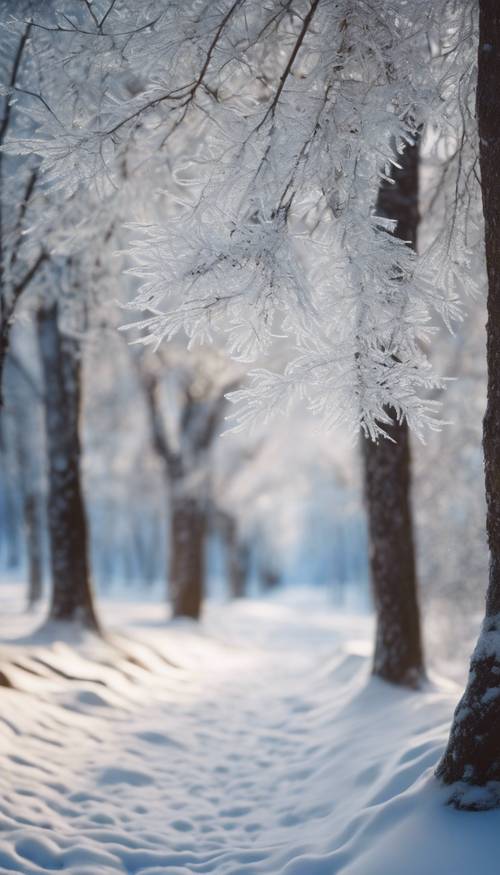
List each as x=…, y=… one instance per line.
x=250, y=437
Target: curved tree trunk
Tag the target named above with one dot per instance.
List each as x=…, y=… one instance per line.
x=398, y=654
x=187, y=556
x=71, y=590
x=473, y=752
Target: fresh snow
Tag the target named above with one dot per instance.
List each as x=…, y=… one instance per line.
x=255, y=743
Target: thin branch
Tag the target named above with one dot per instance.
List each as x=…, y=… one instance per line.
x=291, y=60
x=185, y=92
x=4, y=124
x=106, y=14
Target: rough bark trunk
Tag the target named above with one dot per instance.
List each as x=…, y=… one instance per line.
x=472, y=756
x=187, y=556
x=398, y=654
x=71, y=589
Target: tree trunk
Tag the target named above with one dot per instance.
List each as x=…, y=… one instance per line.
x=71, y=590
x=236, y=556
x=473, y=752
x=269, y=577
x=33, y=529
x=398, y=654
x=186, y=556
x=238, y=559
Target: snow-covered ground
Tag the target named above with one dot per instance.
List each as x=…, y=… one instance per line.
x=256, y=744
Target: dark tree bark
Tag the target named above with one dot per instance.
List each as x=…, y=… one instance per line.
x=71, y=588
x=187, y=556
x=472, y=756
x=398, y=654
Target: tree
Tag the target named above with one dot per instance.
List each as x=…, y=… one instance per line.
x=30, y=77
x=387, y=471
x=71, y=598
x=184, y=450
x=472, y=756
x=279, y=220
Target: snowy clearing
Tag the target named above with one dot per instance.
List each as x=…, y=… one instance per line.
x=256, y=743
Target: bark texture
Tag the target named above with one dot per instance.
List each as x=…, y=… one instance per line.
x=187, y=557
x=71, y=589
x=472, y=756
x=398, y=654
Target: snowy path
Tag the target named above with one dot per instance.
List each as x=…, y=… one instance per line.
x=264, y=750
